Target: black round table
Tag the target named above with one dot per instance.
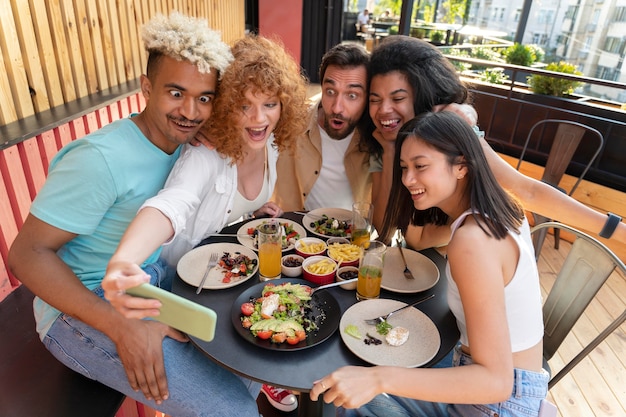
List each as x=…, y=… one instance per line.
x=298, y=369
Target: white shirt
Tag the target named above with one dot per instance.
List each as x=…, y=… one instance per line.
x=522, y=294
x=363, y=19
x=332, y=187
x=198, y=196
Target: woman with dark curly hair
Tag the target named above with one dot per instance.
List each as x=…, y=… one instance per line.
x=260, y=110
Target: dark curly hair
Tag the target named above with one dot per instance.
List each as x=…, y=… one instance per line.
x=262, y=65
x=433, y=78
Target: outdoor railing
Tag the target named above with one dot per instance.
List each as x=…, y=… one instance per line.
x=507, y=111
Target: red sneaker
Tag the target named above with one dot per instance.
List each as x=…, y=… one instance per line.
x=281, y=399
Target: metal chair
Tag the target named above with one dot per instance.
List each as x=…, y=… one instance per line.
x=585, y=269
x=568, y=136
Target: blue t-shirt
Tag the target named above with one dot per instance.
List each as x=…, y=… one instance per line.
x=94, y=188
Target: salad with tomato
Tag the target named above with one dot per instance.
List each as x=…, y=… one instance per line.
x=282, y=314
x=288, y=234
x=236, y=266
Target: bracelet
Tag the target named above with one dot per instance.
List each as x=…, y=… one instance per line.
x=611, y=224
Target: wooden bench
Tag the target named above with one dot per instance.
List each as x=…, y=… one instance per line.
x=32, y=381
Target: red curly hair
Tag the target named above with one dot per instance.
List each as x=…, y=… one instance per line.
x=264, y=66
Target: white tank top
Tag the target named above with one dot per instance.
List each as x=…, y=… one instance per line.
x=522, y=294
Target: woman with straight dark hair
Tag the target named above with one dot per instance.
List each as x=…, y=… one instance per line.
x=440, y=169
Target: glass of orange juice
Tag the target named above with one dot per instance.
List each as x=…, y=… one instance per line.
x=361, y=227
x=370, y=270
x=270, y=250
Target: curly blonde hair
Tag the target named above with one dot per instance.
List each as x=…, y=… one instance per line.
x=186, y=38
x=264, y=66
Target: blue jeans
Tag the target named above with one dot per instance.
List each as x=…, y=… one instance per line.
x=529, y=388
x=197, y=386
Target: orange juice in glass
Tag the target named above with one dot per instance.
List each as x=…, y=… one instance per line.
x=360, y=237
x=361, y=226
x=270, y=251
x=370, y=270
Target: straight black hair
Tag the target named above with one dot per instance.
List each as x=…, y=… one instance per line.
x=494, y=209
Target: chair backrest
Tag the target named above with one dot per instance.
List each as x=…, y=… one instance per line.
x=585, y=269
x=568, y=136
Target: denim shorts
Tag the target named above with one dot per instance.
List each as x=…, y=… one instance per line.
x=529, y=388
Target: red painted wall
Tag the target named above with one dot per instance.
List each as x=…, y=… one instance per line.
x=282, y=19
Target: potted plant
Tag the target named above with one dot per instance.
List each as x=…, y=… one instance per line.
x=558, y=87
x=436, y=37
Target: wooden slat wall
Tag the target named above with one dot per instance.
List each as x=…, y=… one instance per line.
x=55, y=51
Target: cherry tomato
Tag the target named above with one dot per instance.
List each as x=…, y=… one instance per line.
x=301, y=335
x=247, y=309
x=278, y=337
x=246, y=323
x=264, y=334
x=293, y=340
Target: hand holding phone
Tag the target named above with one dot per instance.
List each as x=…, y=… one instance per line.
x=179, y=312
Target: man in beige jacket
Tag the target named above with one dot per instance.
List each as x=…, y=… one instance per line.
x=328, y=168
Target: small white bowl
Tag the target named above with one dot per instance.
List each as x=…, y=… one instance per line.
x=291, y=271
x=344, y=269
x=308, y=241
x=332, y=240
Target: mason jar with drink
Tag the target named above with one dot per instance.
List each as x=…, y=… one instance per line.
x=371, y=265
x=361, y=227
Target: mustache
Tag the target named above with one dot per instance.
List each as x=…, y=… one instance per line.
x=184, y=120
x=337, y=116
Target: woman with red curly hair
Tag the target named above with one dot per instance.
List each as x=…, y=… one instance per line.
x=260, y=110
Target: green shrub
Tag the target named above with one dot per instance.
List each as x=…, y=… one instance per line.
x=460, y=66
x=538, y=52
x=519, y=54
x=494, y=76
x=436, y=36
x=417, y=33
x=558, y=87
x=485, y=53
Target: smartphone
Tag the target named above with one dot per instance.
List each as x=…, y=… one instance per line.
x=180, y=313
x=547, y=409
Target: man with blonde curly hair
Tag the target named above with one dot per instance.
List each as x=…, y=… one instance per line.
x=94, y=188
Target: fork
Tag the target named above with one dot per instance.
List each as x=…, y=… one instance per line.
x=382, y=319
x=407, y=272
x=210, y=265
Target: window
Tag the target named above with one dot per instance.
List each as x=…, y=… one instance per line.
x=571, y=12
x=518, y=13
x=606, y=73
x=619, y=15
x=596, y=16
x=614, y=45
x=546, y=16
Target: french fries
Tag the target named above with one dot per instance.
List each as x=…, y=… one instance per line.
x=311, y=247
x=344, y=252
x=322, y=267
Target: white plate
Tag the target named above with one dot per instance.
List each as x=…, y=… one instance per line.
x=423, y=269
x=192, y=265
x=423, y=343
x=246, y=240
x=315, y=215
